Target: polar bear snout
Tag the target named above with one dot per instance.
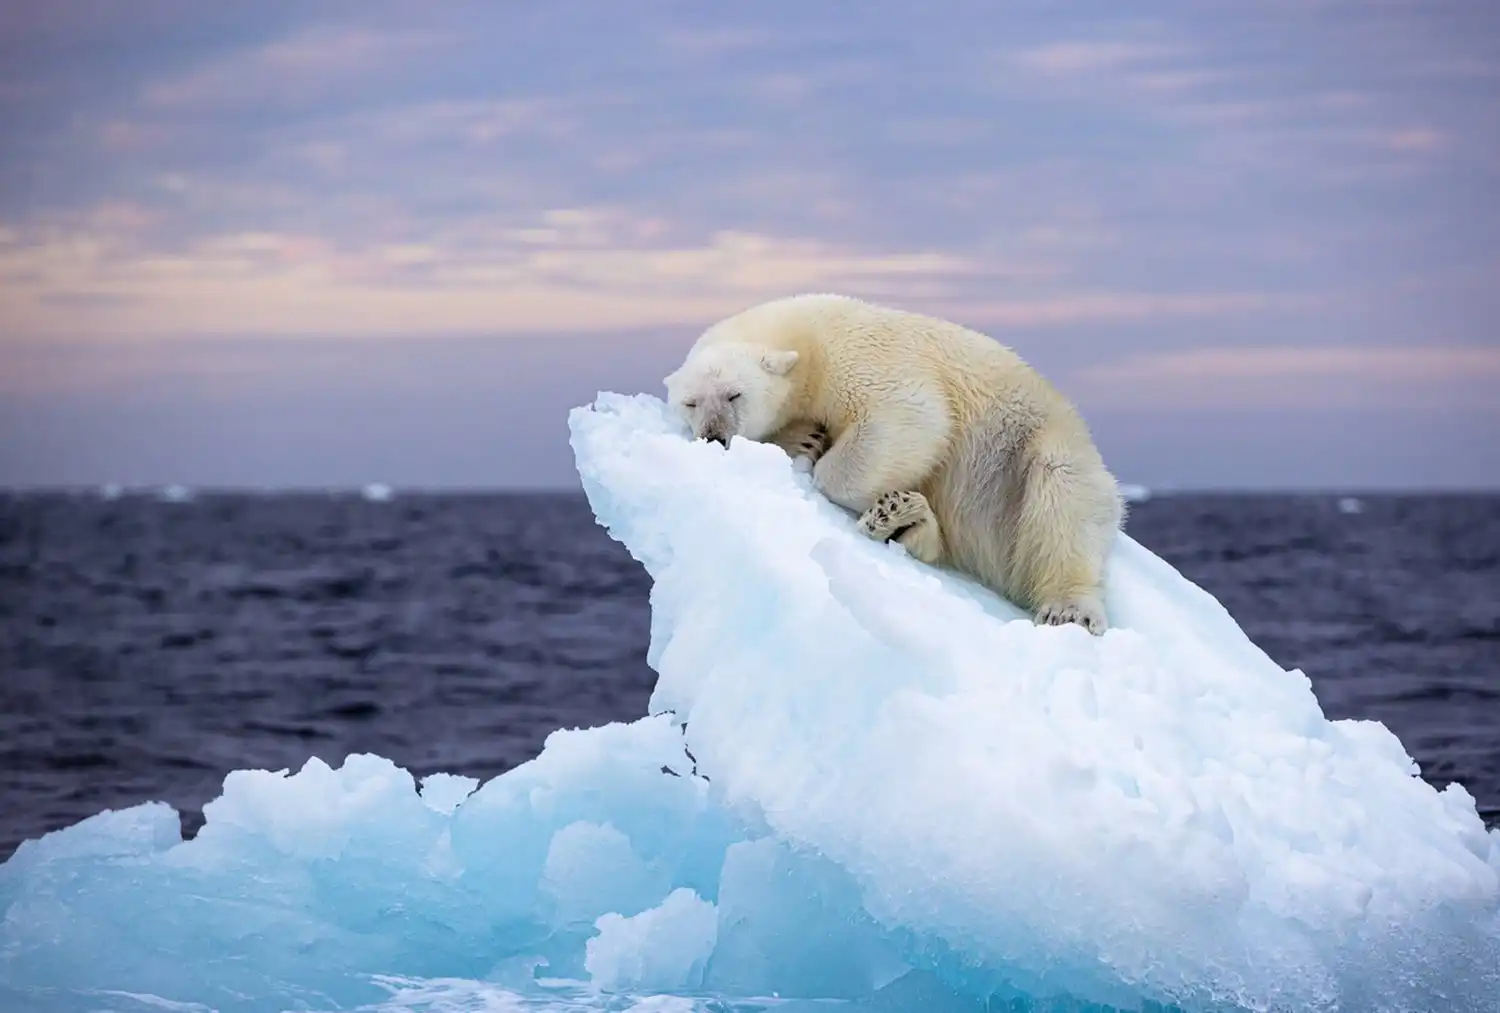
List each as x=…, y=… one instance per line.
x=717, y=428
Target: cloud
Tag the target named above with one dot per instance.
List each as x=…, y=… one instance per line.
x=566, y=270
x=1092, y=306
x=1416, y=139
x=1071, y=59
x=297, y=70
x=1233, y=101
x=569, y=269
x=1319, y=377
x=1154, y=72
x=366, y=171
x=471, y=121
x=713, y=43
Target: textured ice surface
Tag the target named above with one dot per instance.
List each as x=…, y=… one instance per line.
x=891, y=790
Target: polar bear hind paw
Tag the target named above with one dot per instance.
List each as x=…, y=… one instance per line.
x=1089, y=615
x=904, y=517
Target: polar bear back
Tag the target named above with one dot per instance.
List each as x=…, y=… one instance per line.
x=859, y=356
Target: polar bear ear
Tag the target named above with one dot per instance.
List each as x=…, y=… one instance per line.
x=779, y=363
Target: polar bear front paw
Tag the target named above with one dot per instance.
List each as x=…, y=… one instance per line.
x=1088, y=614
x=806, y=440
x=813, y=443
x=905, y=517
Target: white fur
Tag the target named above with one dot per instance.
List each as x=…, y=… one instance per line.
x=933, y=433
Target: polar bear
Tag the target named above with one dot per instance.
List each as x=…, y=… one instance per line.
x=937, y=436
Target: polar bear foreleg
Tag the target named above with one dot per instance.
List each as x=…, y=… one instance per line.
x=892, y=453
x=802, y=440
x=902, y=516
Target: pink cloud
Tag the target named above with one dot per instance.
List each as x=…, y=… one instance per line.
x=1418, y=139
x=1074, y=58
x=567, y=269
x=121, y=136
x=1329, y=376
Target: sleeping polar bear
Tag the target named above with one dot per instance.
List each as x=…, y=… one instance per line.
x=937, y=436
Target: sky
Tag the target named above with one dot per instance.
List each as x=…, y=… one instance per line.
x=290, y=245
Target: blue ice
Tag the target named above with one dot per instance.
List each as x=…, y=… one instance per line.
x=863, y=784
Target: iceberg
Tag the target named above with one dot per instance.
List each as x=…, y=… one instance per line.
x=176, y=494
x=862, y=783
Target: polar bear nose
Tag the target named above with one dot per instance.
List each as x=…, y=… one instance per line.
x=716, y=430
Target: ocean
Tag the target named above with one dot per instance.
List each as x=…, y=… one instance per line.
x=148, y=647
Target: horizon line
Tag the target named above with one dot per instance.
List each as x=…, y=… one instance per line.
x=155, y=490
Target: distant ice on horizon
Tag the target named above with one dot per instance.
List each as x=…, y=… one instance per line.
x=176, y=494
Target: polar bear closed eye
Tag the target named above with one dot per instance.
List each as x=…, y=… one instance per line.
x=935, y=435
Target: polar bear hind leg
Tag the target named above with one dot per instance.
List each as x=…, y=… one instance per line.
x=1064, y=528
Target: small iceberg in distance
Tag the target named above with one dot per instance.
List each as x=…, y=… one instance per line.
x=176, y=494
x=1134, y=493
x=1351, y=505
x=861, y=780
x=377, y=492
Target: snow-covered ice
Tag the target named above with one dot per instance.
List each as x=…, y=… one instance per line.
x=861, y=780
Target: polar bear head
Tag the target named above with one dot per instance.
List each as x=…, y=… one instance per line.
x=732, y=389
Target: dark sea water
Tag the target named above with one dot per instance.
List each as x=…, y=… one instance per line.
x=149, y=647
